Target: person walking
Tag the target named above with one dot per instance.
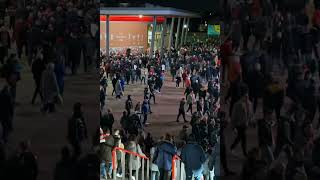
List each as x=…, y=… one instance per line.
x=241, y=115
x=118, y=89
x=129, y=104
x=114, y=82
x=5, y=43
x=37, y=69
x=165, y=150
x=77, y=129
x=145, y=110
x=49, y=89
x=182, y=110
x=265, y=137
x=107, y=120
x=7, y=107
x=134, y=147
x=106, y=148
x=193, y=157
x=190, y=99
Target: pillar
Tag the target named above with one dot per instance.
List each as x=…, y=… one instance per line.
x=185, y=36
x=171, y=33
x=183, y=31
x=178, y=33
x=154, y=27
x=107, y=36
x=164, y=31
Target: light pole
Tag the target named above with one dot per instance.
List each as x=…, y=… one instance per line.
x=153, y=36
x=178, y=33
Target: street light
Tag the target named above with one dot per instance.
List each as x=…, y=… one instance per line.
x=185, y=26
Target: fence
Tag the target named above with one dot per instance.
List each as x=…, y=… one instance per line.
x=178, y=172
x=144, y=172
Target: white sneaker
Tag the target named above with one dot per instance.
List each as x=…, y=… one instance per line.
x=119, y=175
x=133, y=178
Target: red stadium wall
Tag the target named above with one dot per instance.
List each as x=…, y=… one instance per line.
x=126, y=31
x=125, y=34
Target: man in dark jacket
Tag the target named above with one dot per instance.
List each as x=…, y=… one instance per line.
x=107, y=120
x=129, y=104
x=106, y=155
x=182, y=110
x=38, y=66
x=193, y=156
x=74, y=47
x=114, y=82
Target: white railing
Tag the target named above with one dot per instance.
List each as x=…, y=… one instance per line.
x=143, y=175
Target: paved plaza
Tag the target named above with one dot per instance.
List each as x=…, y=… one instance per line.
x=48, y=132
x=165, y=111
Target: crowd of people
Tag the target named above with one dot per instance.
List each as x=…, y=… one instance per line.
x=270, y=58
x=49, y=39
x=194, y=68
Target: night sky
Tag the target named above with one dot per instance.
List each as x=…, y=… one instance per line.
x=192, y=5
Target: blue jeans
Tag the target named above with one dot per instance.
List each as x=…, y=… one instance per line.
x=197, y=174
x=105, y=168
x=154, y=175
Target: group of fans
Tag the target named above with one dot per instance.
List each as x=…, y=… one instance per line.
x=47, y=37
x=193, y=67
x=270, y=57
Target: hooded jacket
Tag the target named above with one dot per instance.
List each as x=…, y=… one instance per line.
x=164, y=153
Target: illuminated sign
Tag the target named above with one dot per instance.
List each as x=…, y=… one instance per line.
x=214, y=30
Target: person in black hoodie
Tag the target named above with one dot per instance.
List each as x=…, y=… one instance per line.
x=74, y=48
x=38, y=66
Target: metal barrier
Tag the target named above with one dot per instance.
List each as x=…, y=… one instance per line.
x=178, y=171
x=138, y=176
